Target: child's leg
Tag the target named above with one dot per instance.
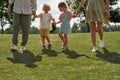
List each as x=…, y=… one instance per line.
x=66, y=40
x=93, y=32
x=61, y=37
x=100, y=30
x=48, y=39
x=43, y=40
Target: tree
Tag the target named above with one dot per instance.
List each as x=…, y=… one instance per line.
x=9, y=30
x=73, y=4
x=75, y=28
x=4, y=17
x=115, y=16
x=34, y=30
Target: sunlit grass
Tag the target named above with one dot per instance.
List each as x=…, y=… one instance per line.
x=79, y=63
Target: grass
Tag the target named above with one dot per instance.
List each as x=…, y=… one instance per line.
x=79, y=63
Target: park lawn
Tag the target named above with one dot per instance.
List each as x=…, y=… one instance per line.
x=79, y=63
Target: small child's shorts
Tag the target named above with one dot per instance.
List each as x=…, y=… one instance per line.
x=44, y=32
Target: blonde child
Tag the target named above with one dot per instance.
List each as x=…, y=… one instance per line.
x=64, y=19
x=45, y=25
x=96, y=12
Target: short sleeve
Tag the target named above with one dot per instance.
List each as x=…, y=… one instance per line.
x=70, y=15
x=51, y=17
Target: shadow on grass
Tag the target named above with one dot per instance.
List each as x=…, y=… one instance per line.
x=74, y=55
x=49, y=52
x=112, y=57
x=27, y=58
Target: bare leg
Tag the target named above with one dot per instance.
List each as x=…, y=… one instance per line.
x=100, y=30
x=61, y=37
x=66, y=40
x=93, y=32
x=43, y=40
x=48, y=39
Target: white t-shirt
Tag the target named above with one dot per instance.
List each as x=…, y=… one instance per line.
x=45, y=20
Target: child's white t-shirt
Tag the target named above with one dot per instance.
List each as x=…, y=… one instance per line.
x=45, y=20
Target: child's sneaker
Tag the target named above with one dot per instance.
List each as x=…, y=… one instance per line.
x=49, y=46
x=65, y=48
x=101, y=44
x=22, y=48
x=43, y=47
x=14, y=47
x=94, y=49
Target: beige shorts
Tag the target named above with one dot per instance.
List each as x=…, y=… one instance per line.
x=44, y=32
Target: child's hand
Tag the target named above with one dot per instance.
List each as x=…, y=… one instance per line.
x=53, y=20
x=53, y=23
x=33, y=13
x=75, y=15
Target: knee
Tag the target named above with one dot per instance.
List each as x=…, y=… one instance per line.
x=60, y=34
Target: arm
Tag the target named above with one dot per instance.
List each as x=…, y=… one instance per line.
x=38, y=16
x=60, y=20
x=9, y=6
x=80, y=5
x=70, y=15
x=34, y=6
x=51, y=18
x=107, y=3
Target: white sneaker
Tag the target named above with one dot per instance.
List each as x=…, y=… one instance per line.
x=101, y=44
x=22, y=48
x=14, y=47
x=94, y=49
x=62, y=47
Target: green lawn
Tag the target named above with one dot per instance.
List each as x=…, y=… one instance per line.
x=79, y=63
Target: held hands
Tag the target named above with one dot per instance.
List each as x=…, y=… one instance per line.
x=33, y=13
x=53, y=22
x=75, y=15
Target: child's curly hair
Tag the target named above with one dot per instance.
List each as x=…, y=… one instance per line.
x=46, y=7
x=62, y=4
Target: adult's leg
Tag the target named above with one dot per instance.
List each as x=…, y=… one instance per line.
x=100, y=30
x=25, y=22
x=93, y=32
x=16, y=28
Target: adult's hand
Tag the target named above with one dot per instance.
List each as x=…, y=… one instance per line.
x=9, y=9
